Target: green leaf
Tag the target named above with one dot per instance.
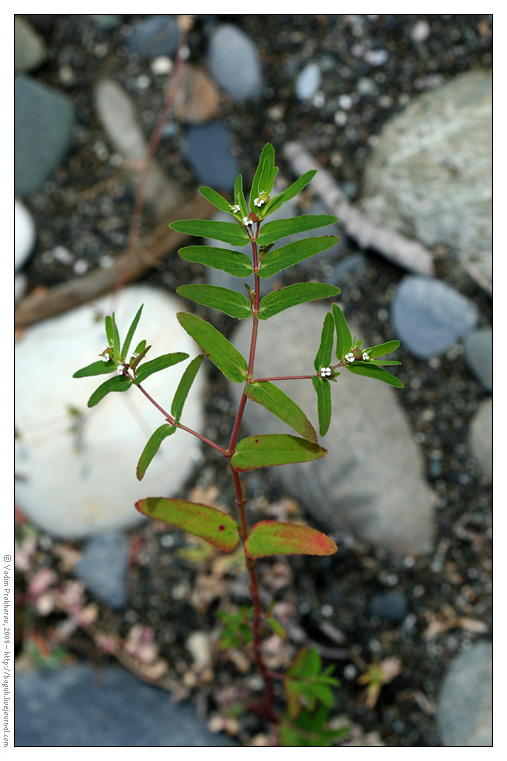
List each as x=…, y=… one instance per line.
x=274, y=449
x=239, y=196
x=234, y=262
x=216, y=347
x=116, y=337
x=214, y=526
x=130, y=334
x=324, y=409
x=280, y=228
x=141, y=351
x=324, y=354
x=373, y=371
x=160, y=363
x=109, y=331
x=291, y=295
x=381, y=349
x=289, y=192
x=230, y=302
x=184, y=387
x=210, y=228
x=118, y=383
x=218, y=201
x=152, y=447
x=262, y=178
x=141, y=346
x=276, y=627
x=343, y=334
x=96, y=368
x=278, y=259
x=383, y=362
x=276, y=401
x=309, y=729
x=277, y=538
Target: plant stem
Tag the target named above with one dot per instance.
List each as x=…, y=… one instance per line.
x=283, y=378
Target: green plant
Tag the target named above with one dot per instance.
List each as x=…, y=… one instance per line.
x=307, y=686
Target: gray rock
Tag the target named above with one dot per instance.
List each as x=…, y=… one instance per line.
x=479, y=355
x=81, y=706
x=154, y=36
x=308, y=82
x=430, y=316
x=234, y=62
x=118, y=115
x=464, y=712
x=208, y=151
x=481, y=437
x=107, y=22
x=430, y=172
x=44, y=120
x=29, y=47
x=370, y=483
x=103, y=568
x=391, y=606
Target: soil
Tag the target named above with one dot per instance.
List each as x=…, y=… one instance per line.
x=176, y=586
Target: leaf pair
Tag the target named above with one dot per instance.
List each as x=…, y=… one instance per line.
x=222, y=532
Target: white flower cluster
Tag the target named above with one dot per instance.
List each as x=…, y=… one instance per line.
x=325, y=371
x=349, y=357
x=258, y=202
x=235, y=208
x=247, y=221
x=366, y=355
x=120, y=369
x=105, y=357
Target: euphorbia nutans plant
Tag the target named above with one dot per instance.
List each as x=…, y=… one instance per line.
x=306, y=686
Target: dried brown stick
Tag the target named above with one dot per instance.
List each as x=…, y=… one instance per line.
x=129, y=266
x=404, y=252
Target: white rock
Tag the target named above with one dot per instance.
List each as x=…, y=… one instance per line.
x=24, y=234
x=73, y=486
x=308, y=82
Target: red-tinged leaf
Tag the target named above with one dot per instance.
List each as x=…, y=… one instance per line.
x=276, y=401
x=276, y=538
x=274, y=449
x=208, y=523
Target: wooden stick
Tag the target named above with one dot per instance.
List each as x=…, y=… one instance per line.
x=129, y=266
x=404, y=252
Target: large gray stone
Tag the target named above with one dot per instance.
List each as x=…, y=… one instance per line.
x=44, y=120
x=429, y=176
x=429, y=316
x=29, y=47
x=103, y=567
x=208, y=151
x=81, y=706
x=370, y=483
x=234, y=62
x=479, y=355
x=464, y=714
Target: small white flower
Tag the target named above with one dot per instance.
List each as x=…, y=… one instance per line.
x=134, y=356
x=366, y=355
x=325, y=371
x=235, y=208
x=349, y=357
x=258, y=202
x=247, y=221
x=120, y=369
x=105, y=357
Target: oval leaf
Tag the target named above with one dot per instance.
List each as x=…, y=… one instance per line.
x=374, y=371
x=280, y=228
x=228, y=232
x=152, y=448
x=343, y=334
x=264, y=177
x=323, y=389
x=208, y=523
x=280, y=258
x=118, y=383
x=216, y=347
x=276, y=538
x=235, y=263
x=96, y=368
x=292, y=295
x=229, y=302
x=381, y=349
x=274, y=449
x=160, y=363
x=276, y=401
x=216, y=199
x=289, y=192
x=184, y=387
x=324, y=354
